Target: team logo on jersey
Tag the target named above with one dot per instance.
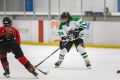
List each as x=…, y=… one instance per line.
x=8, y=33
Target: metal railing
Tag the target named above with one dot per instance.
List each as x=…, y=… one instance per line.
x=49, y=9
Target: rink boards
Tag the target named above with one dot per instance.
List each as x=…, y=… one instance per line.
x=98, y=33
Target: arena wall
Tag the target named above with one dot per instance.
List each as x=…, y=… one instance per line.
x=98, y=32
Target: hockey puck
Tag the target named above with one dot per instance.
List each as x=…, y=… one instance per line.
x=118, y=71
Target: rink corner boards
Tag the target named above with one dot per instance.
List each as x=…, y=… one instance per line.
x=57, y=44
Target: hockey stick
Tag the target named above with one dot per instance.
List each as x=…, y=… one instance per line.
x=42, y=71
x=50, y=55
x=47, y=57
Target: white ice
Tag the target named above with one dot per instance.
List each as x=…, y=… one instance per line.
x=105, y=63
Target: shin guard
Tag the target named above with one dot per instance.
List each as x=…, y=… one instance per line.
x=4, y=61
x=24, y=61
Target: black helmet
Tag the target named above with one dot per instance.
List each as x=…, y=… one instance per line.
x=7, y=21
x=65, y=15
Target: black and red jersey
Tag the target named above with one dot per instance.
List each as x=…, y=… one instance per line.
x=9, y=33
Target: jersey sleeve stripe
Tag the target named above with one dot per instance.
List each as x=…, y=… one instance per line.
x=83, y=27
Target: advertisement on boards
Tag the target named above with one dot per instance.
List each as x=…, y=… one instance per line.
x=24, y=27
x=1, y=23
x=54, y=32
x=88, y=33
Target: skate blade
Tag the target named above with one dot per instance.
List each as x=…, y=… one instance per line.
x=37, y=76
x=56, y=66
x=89, y=67
x=7, y=76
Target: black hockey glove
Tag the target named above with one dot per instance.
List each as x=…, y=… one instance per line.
x=80, y=29
x=76, y=33
x=9, y=51
x=62, y=42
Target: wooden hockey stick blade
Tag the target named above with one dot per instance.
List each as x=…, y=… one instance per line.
x=48, y=72
x=42, y=71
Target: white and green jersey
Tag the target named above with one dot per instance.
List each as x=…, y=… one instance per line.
x=75, y=23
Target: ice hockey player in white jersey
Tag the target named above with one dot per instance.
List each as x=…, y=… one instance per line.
x=71, y=29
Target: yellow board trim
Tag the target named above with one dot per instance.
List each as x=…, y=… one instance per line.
x=57, y=44
x=35, y=43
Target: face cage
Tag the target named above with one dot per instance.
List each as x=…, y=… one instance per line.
x=7, y=24
x=64, y=22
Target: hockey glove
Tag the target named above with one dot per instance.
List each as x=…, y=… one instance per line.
x=76, y=33
x=9, y=51
x=62, y=42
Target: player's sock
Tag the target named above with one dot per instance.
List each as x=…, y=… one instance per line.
x=5, y=65
x=61, y=58
x=24, y=61
x=4, y=61
x=85, y=57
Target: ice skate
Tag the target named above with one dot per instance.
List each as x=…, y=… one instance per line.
x=57, y=64
x=34, y=72
x=7, y=72
x=118, y=71
x=88, y=64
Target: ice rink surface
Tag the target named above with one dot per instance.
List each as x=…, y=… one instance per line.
x=105, y=63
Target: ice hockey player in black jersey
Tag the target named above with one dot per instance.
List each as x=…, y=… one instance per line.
x=10, y=41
